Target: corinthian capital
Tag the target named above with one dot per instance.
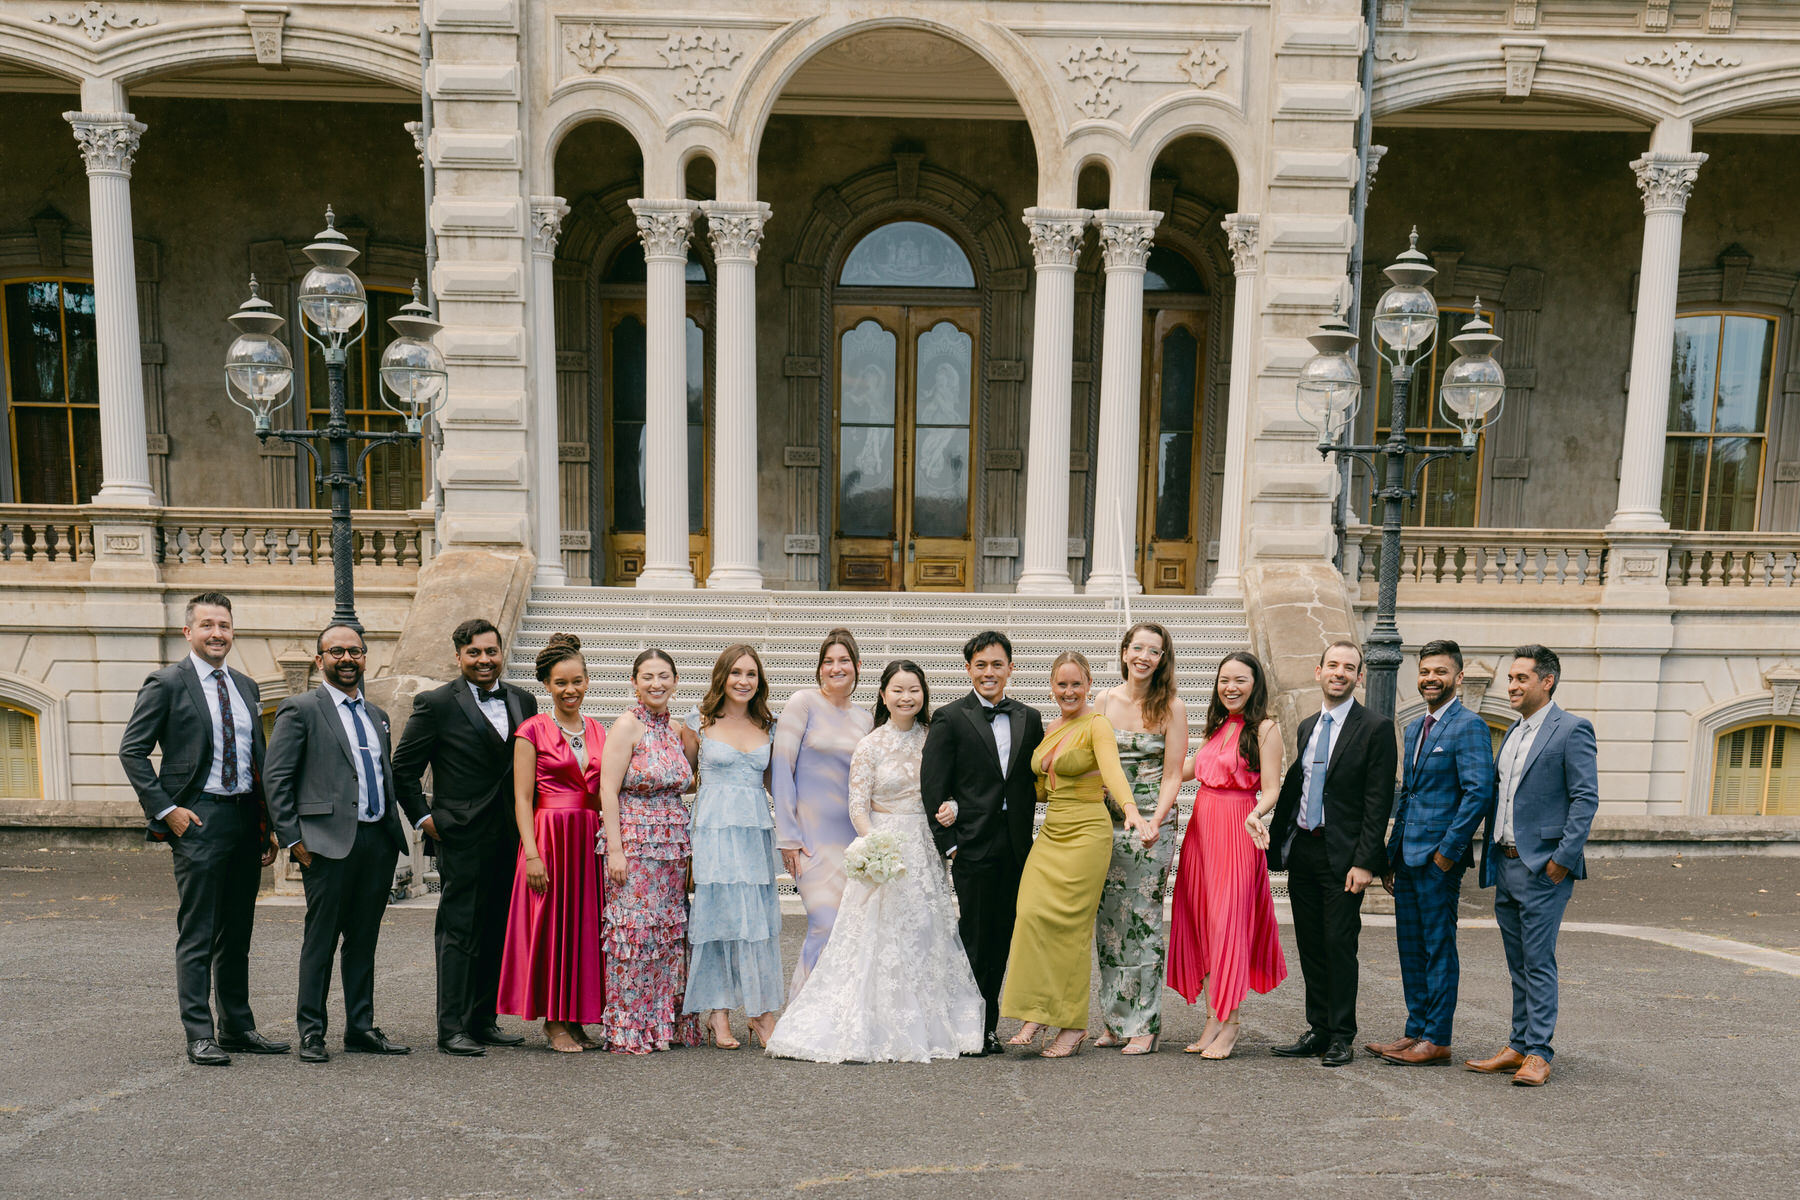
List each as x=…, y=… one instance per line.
x=736, y=228
x=1126, y=237
x=108, y=141
x=665, y=226
x=1666, y=179
x=1243, y=236
x=1056, y=234
x=547, y=213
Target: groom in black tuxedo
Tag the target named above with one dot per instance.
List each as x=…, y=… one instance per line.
x=977, y=784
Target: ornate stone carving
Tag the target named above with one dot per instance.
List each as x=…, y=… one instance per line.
x=1056, y=234
x=1525, y=14
x=1375, y=156
x=547, y=213
x=1666, y=179
x=1477, y=676
x=1099, y=67
x=696, y=58
x=589, y=46
x=417, y=130
x=266, y=27
x=296, y=669
x=1719, y=16
x=1126, y=238
x=1396, y=54
x=96, y=19
x=1393, y=12
x=1243, y=237
x=1521, y=66
x=108, y=141
x=664, y=226
x=1783, y=682
x=400, y=27
x=898, y=50
x=736, y=229
x=1682, y=58
x=1203, y=65
x=1656, y=16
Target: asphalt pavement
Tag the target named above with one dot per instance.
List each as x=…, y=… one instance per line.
x=1675, y=1075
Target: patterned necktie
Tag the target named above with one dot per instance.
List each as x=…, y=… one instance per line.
x=228, y=768
x=1315, y=784
x=372, y=797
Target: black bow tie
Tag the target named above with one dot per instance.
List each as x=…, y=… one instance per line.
x=484, y=697
x=990, y=711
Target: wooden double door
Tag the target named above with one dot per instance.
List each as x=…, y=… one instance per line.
x=1171, y=471
x=904, y=418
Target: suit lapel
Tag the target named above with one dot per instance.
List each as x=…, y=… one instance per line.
x=1018, y=742
x=514, y=710
x=328, y=707
x=1352, y=720
x=1551, y=720
x=1437, y=731
x=190, y=676
x=974, y=710
x=465, y=700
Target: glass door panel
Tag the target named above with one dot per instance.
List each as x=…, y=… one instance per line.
x=865, y=546
x=940, y=548
x=1169, y=465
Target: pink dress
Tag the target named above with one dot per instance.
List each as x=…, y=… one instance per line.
x=1223, y=922
x=550, y=968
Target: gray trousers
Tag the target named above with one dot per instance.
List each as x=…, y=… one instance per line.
x=1529, y=909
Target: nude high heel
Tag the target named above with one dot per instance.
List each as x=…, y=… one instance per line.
x=1146, y=1048
x=1069, y=1051
x=1028, y=1034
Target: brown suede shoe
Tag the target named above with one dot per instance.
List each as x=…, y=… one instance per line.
x=1420, y=1054
x=1533, y=1073
x=1383, y=1049
x=1507, y=1060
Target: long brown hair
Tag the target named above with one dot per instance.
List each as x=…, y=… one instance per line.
x=1256, y=708
x=846, y=639
x=1159, y=692
x=713, y=706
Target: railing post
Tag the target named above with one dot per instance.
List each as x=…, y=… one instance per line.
x=1637, y=568
x=124, y=544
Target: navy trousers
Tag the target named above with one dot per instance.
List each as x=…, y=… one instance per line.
x=1529, y=909
x=1425, y=902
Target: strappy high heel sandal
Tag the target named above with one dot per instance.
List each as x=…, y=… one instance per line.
x=1108, y=1040
x=1211, y=1053
x=727, y=1042
x=1134, y=1047
x=1056, y=1049
x=1027, y=1035
x=1206, y=1038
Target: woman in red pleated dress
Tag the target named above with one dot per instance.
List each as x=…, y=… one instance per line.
x=1222, y=932
x=551, y=966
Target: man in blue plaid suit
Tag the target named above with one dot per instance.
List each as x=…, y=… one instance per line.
x=1448, y=791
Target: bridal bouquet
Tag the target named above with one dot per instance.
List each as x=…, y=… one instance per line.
x=874, y=858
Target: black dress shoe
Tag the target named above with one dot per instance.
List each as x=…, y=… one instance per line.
x=461, y=1045
x=994, y=1045
x=204, y=1052
x=1310, y=1045
x=372, y=1041
x=1338, y=1054
x=312, y=1050
x=493, y=1035
x=251, y=1042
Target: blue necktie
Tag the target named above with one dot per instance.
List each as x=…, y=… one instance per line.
x=371, y=786
x=1315, y=785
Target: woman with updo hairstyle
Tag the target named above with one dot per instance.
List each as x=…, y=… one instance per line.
x=550, y=967
x=648, y=764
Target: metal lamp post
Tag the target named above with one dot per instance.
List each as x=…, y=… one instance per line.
x=259, y=378
x=1330, y=390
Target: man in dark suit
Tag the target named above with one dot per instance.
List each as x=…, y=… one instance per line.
x=332, y=799
x=1447, y=791
x=207, y=803
x=976, y=782
x=1548, y=790
x=463, y=732
x=1327, y=828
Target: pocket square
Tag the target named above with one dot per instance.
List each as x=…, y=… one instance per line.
x=1438, y=750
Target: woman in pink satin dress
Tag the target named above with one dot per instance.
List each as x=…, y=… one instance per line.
x=1222, y=931
x=551, y=965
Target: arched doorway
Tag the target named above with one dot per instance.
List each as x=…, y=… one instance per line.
x=1173, y=439
x=906, y=324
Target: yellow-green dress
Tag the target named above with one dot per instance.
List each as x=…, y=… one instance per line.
x=1048, y=969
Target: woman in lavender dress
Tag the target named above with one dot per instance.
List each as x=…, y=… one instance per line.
x=814, y=739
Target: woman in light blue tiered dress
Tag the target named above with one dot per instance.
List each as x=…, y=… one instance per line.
x=734, y=928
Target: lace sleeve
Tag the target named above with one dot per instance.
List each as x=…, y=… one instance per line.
x=862, y=783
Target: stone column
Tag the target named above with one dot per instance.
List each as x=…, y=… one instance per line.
x=547, y=213
x=1125, y=239
x=1055, y=243
x=665, y=226
x=1242, y=234
x=109, y=141
x=736, y=229
x=1665, y=178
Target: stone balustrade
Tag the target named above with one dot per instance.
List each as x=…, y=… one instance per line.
x=1561, y=558
x=1735, y=560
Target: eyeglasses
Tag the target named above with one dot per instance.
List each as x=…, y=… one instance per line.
x=1147, y=651
x=342, y=652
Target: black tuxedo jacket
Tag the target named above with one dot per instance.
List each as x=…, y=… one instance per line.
x=962, y=763
x=471, y=765
x=171, y=712
x=1359, y=794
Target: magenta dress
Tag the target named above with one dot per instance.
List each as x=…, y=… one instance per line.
x=644, y=922
x=550, y=968
x=1223, y=921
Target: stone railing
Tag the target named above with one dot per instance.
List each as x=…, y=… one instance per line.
x=1561, y=558
x=43, y=534
x=1733, y=560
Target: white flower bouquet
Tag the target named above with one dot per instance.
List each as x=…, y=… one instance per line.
x=874, y=858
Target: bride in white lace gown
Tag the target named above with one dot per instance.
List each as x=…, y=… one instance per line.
x=893, y=984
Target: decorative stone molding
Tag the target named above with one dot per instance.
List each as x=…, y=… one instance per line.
x=108, y=141
x=1243, y=234
x=1784, y=683
x=1656, y=16
x=696, y=58
x=664, y=226
x=1719, y=16
x=1477, y=676
x=1126, y=238
x=1396, y=54
x=296, y=669
x=1056, y=234
x=1521, y=66
x=416, y=129
x=1666, y=179
x=1376, y=153
x=405, y=27
x=1682, y=58
x=1204, y=64
x=547, y=213
x=266, y=22
x=1393, y=13
x=1525, y=14
x=589, y=46
x=96, y=19
x=735, y=228
x=1099, y=67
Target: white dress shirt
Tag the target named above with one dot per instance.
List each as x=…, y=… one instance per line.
x=1002, y=737
x=493, y=709
x=374, y=743
x=1339, y=713
x=1513, y=756
x=241, y=719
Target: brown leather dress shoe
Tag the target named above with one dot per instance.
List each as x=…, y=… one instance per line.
x=1420, y=1054
x=1383, y=1049
x=1534, y=1072
x=1507, y=1060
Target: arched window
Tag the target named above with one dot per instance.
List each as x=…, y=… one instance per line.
x=20, y=777
x=907, y=254
x=52, y=390
x=1721, y=386
x=393, y=476
x=1170, y=271
x=1756, y=771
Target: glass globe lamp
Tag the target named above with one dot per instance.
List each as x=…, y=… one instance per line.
x=1474, y=386
x=1406, y=316
x=259, y=371
x=412, y=367
x=332, y=299
x=1330, y=387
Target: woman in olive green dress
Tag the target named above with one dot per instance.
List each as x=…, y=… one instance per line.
x=1150, y=726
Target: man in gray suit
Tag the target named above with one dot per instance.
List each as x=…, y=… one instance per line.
x=1532, y=854
x=330, y=784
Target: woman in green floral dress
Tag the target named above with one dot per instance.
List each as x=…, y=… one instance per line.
x=1150, y=724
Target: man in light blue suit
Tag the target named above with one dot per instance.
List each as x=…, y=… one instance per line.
x=1448, y=791
x=1547, y=794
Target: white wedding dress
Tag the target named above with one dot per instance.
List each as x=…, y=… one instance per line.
x=893, y=984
